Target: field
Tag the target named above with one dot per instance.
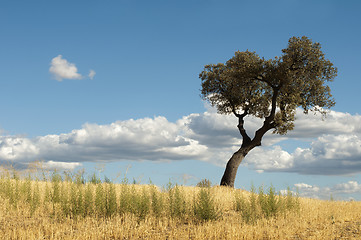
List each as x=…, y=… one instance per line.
x=68, y=207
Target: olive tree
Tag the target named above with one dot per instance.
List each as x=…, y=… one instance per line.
x=268, y=89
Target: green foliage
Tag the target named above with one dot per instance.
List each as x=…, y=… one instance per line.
x=107, y=180
x=204, y=183
x=15, y=175
x=7, y=186
x=35, y=200
x=168, y=186
x=177, y=202
x=64, y=201
x=292, y=202
x=94, y=179
x=76, y=200
x=67, y=176
x=204, y=206
x=79, y=177
x=47, y=194
x=253, y=202
x=270, y=204
x=88, y=200
x=125, y=199
x=157, y=202
x=246, y=208
x=264, y=205
x=73, y=199
x=100, y=200
x=274, y=88
x=25, y=190
x=133, y=202
x=15, y=193
x=135, y=181
x=55, y=180
x=141, y=204
x=111, y=200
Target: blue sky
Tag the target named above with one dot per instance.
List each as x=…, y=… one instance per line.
x=140, y=108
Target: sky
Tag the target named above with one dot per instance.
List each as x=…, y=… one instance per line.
x=112, y=87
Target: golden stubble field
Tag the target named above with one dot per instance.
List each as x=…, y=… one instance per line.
x=29, y=210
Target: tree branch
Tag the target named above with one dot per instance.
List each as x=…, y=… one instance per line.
x=274, y=104
x=268, y=122
x=262, y=79
x=240, y=126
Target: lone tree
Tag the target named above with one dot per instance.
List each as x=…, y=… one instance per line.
x=268, y=89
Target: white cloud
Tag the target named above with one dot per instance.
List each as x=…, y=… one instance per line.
x=91, y=74
x=310, y=125
x=327, y=155
x=349, y=187
x=303, y=186
x=338, y=191
x=313, y=191
x=13, y=148
x=206, y=136
x=62, y=69
x=51, y=165
x=142, y=139
x=335, y=142
x=335, y=146
x=272, y=158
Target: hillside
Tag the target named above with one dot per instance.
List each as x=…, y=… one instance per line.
x=71, y=209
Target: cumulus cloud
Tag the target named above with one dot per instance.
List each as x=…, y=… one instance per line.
x=309, y=126
x=62, y=69
x=272, y=158
x=334, y=143
x=337, y=191
x=334, y=146
x=327, y=155
x=142, y=139
x=349, y=187
x=51, y=165
x=91, y=74
x=313, y=191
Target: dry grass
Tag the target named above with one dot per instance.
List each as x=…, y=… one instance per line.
x=315, y=219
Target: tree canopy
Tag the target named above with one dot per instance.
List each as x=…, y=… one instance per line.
x=271, y=89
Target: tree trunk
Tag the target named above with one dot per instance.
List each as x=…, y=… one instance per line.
x=230, y=173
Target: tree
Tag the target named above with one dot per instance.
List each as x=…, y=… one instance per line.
x=268, y=89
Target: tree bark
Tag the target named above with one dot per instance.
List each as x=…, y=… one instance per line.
x=230, y=173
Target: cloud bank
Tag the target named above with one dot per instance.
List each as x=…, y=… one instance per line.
x=334, y=144
x=314, y=191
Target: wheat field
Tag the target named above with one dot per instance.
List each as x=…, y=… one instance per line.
x=60, y=208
